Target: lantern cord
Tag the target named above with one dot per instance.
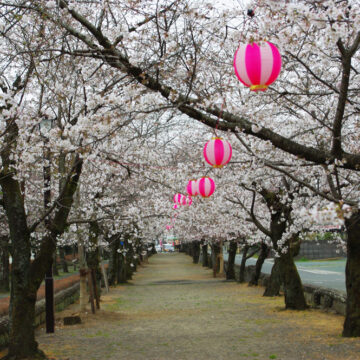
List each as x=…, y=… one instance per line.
x=250, y=19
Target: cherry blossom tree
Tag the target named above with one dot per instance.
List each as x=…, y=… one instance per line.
x=316, y=106
x=129, y=60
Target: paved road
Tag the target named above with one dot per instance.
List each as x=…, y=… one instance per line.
x=328, y=274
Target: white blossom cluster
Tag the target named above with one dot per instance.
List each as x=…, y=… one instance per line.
x=138, y=146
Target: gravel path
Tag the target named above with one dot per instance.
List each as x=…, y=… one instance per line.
x=174, y=309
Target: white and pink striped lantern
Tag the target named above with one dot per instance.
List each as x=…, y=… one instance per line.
x=206, y=186
x=188, y=200
x=178, y=198
x=217, y=152
x=257, y=66
x=191, y=188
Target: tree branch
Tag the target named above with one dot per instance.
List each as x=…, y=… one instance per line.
x=205, y=115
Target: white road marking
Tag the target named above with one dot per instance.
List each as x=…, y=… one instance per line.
x=320, y=272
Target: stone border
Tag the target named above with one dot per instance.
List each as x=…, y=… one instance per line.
x=62, y=299
x=316, y=297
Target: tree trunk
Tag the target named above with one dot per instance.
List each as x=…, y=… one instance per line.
x=129, y=259
x=243, y=263
x=352, y=318
x=26, y=276
x=5, y=278
x=63, y=260
x=182, y=247
x=288, y=274
x=196, y=251
x=113, y=259
x=230, y=270
x=294, y=293
x=83, y=273
x=273, y=285
x=121, y=270
x=188, y=249
x=22, y=342
x=93, y=256
x=210, y=258
x=215, y=250
x=153, y=249
x=221, y=258
x=138, y=253
x=204, y=258
x=264, y=251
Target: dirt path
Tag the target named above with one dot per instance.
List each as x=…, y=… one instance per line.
x=174, y=309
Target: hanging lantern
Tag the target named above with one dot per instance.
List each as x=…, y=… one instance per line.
x=178, y=198
x=191, y=187
x=206, y=186
x=168, y=227
x=257, y=66
x=175, y=206
x=217, y=152
x=187, y=200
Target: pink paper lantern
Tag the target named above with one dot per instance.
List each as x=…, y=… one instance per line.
x=257, y=66
x=178, y=198
x=175, y=206
x=191, y=188
x=168, y=227
x=206, y=186
x=217, y=152
x=188, y=200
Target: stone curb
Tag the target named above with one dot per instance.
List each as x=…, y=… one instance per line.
x=316, y=297
x=62, y=299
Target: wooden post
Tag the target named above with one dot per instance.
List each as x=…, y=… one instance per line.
x=104, y=274
x=83, y=291
x=91, y=291
x=83, y=274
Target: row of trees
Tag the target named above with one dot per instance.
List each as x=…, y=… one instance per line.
x=105, y=108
